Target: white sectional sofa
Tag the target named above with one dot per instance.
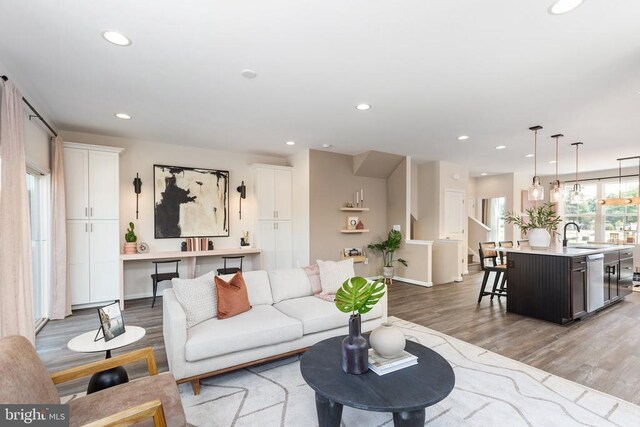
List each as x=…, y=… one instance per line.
x=285, y=318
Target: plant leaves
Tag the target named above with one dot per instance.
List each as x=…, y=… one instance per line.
x=357, y=294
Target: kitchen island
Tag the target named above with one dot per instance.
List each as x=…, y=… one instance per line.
x=565, y=284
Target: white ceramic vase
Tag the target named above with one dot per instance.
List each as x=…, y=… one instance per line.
x=539, y=238
x=387, y=340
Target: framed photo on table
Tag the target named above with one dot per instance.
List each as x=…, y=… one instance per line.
x=111, y=321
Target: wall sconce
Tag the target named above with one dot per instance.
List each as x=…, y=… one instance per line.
x=243, y=195
x=137, y=187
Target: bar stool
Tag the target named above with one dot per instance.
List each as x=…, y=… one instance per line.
x=503, y=261
x=230, y=270
x=488, y=252
x=160, y=277
x=523, y=243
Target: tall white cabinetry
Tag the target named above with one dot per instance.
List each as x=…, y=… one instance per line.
x=92, y=205
x=272, y=189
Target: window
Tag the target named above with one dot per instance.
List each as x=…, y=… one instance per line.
x=584, y=214
x=620, y=222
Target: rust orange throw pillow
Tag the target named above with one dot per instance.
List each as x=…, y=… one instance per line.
x=232, y=296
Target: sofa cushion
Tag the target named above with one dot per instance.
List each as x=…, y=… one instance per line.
x=289, y=283
x=313, y=273
x=318, y=315
x=95, y=406
x=197, y=298
x=260, y=326
x=232, y=296
x=258, y=286
x=334, y=274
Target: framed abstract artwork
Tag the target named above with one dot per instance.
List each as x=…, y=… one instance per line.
x=190, y=202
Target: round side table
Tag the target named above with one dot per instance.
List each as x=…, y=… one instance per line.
x=85, y=344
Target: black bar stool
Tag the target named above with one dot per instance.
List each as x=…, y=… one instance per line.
x=503, y=261
x=488, y=252
x=230, y=270
x=160, y=277
x=523, y=243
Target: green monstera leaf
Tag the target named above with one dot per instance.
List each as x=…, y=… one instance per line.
x=357, y=294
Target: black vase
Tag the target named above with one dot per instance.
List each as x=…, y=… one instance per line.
x=355, y=349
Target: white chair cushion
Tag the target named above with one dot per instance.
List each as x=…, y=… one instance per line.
x=334, y=274
x=262, y=325
x=289, y=283
x=318, y=315
x=197, y=298
x=258, y=287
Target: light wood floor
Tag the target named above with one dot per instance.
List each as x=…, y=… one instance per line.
x=601, y=352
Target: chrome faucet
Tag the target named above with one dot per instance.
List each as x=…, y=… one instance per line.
x=564, y=237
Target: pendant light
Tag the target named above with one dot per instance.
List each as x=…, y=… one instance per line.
x=622, y=201
x=576, y=193
x=536, y=191
x=556, y=192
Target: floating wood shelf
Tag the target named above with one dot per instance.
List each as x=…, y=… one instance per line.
x=354, y=209
x=356, y=258
x=366, y=230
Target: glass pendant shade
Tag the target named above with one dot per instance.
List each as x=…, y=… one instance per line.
x=556, y=192
x=536, y=191
x=576, y=194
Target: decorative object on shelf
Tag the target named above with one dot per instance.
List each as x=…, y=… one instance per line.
x=198, y=244
x=111, y=321
x=542, y=221
x=536, y=191
x=130, y=247
x=388, y=248
x=357, y=296
x=358, y=200
x=183, y=246
x=387, y=340
x=190, y=202
x=357, y=254
x=137, y=188
x=555, y=195
x=360, y=225
x=142, y=248
x=352, y=222
x=348, y=205
x=242, y=189
x=576, y=193
x=210, y=245
x=244, y=240
x=620, y=200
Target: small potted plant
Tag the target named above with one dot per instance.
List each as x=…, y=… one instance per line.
x=388, y=248
x=130, y=238
x=357, y=296
x=537, y=224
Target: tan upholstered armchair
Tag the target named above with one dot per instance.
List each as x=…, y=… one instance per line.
x=152, y=400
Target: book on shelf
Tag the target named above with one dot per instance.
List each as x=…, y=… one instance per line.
x=381, y=365
x=197, y=244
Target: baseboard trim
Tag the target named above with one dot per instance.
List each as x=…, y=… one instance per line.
x=413, y=282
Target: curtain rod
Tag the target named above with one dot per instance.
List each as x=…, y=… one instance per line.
x=55, y=134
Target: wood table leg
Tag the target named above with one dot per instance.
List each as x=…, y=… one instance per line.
x=329, y=412
x=409, y=419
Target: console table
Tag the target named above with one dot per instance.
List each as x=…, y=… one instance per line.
x=190, y=257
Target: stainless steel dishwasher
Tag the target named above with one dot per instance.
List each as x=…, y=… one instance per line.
x=595, y=282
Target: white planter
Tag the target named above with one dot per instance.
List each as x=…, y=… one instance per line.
x=387, y=340
x=539, y=238
x=387, y=272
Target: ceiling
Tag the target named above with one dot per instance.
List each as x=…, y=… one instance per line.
x=432, y=70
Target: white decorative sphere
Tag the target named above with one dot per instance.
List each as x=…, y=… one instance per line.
x=387, y=340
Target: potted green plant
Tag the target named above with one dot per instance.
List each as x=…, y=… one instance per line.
x=388, y=248
x=538, y=223
x=130, y=238
x=357, y=296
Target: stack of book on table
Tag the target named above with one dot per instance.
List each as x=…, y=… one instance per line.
x=382, y=366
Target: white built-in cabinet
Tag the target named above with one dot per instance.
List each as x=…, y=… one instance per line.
x=272, y=191
x=92, y=204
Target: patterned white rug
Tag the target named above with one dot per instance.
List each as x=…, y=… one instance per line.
x=491, y=390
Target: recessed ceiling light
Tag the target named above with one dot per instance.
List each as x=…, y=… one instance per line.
x=501, y=147
x=553, y=162
x=290, y=143
x=564, y=6
x=116, y=38
x=463, y=137
x=248, y=74
x=363, y=107
x=123, y=116
x=483, y=174
x=530, y=155
x=326, y=145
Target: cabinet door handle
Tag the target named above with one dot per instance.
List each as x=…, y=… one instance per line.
x=276, y=214
x=86, y=211
x=86, y=227
x=92, y=227
x=91, y=210
x=582, y=271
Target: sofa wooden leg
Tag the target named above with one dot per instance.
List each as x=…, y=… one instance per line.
x=196, y=386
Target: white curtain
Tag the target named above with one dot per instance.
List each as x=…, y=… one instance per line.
x=16, y=310
x=60, y=292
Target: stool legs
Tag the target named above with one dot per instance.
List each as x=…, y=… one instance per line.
x=495, y=285
x=484, y=285
x=155, y=291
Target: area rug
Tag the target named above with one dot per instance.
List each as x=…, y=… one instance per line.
x=491, y=390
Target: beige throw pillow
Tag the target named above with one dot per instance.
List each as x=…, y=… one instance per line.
x=334, y=274
x=197, y=298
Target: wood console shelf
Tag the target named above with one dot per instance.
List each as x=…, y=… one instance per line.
x=354, y=209
x=365, y=230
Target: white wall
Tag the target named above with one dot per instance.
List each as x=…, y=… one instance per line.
x=139, y=156
x=300, y=163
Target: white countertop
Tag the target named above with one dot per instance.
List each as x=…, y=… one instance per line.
x=571, y=251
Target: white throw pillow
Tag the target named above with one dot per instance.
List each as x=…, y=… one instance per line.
x=197, y=297
x=334, y=274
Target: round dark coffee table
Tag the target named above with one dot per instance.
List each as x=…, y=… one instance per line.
x=406, y=392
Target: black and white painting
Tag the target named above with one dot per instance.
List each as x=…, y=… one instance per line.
x=190, y=202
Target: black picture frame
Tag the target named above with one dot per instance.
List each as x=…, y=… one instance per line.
x=111, y=321
x=166, y=220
